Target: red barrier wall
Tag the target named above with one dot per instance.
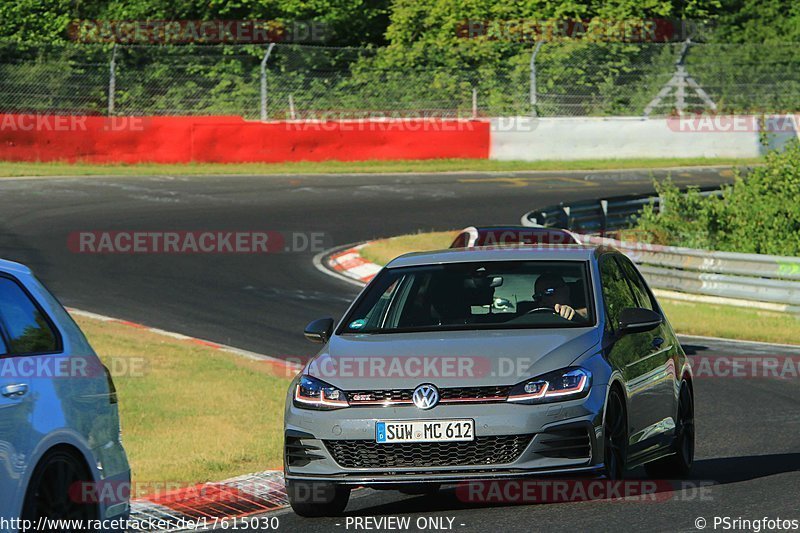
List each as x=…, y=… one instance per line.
x=234, y=140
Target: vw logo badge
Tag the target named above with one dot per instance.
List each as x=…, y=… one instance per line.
x=426, y=396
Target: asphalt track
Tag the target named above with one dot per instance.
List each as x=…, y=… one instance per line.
x=748, y=430
x=259, y=302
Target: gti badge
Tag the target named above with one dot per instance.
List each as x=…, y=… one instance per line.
x=426, y=396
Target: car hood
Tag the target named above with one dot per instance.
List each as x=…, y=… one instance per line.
x=448, y=359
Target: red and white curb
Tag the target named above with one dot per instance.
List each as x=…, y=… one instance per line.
x=347, y=263
x=207, y=504
x=210, y=505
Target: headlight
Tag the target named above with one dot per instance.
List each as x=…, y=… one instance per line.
x=311, y=393
x=566, y=384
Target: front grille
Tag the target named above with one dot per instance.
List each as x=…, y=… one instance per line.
x=493, y=450
x=573, y=443
x=445, y=395
x=474, y=392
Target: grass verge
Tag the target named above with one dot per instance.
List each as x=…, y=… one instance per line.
x=16, y=169
x=384, y=250
x=689, y=318
x=182, y=421
x=696, y=318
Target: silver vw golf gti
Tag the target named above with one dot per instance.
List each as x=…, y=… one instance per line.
x=485, y=364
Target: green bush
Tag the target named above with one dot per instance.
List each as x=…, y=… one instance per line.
x=758, y=213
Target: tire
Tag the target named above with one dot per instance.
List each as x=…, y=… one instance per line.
x=52, y=489
x=421, y=489
x=678, y=465
x=615, y=436
x=316, y=499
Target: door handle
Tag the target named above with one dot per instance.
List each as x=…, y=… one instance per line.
x=657, y=342
x=14, y=391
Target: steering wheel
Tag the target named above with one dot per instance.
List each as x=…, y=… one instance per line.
x=543, y=310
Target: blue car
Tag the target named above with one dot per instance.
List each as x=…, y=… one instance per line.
x=59, y=419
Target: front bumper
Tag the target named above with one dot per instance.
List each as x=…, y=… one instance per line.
x=554, y=447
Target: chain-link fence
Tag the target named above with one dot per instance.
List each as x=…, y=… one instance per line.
x=576, y=79
x=284, y=81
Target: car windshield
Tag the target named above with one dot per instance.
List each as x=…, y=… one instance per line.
x=484, y=295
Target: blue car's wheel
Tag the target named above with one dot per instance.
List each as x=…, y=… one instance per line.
x=54, y=489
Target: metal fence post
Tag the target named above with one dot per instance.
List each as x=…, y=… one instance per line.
x=679, y=82
x=474, y=102
x=680, y=79
x=112, y=80
x=533, y=77
x=264, y=82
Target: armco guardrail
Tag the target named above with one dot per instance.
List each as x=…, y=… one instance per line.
x=770, y=279
x=752, y=277
x=598, y=216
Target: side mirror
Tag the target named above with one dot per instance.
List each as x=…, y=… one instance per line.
x=638, y=320
x=319, y=331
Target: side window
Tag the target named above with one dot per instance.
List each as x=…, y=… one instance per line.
x=25, y=327
x=637, y=284
x=617, y=294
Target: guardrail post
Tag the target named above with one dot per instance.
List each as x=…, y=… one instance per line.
x=112, y=80
x=264, y=82
x=604, y=224
x=533, y=78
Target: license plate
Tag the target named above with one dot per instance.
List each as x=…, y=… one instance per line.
x=425, y=431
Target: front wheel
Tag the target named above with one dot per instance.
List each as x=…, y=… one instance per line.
x=615, y=434
x=680, y=463
x=315, y=499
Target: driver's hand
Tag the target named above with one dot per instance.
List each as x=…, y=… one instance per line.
x=565, y=311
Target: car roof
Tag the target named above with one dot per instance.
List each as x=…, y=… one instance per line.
x=525, y=252
x=10, y=267
x=517, y=227
x=513, y=234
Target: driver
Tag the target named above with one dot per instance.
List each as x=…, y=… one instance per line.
x=550, y=290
